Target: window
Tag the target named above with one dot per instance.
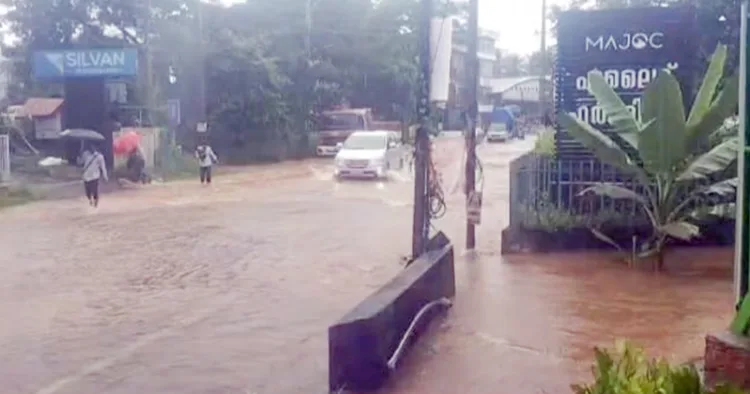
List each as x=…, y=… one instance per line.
x=117, y=92
x=365, y=141
x=342, y=121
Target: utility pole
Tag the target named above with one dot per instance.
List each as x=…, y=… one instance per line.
x=543, y=63
x=149, y=57
x=472, y=81
x=308, y=23
x=421, y=220
x=201, y=96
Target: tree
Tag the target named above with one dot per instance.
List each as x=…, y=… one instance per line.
x=535, y=65
x=274, y=63
x=676, y=160
x=511, y=65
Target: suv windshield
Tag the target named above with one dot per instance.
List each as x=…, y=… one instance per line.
x=365, y=142
x=342, y=122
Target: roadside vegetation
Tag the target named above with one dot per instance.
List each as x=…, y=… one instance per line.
x=545, y=143
x=11, y=196
x=627, y=370
x=268, y=67
x=684, y=164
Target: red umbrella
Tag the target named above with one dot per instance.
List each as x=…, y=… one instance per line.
x=126, y=142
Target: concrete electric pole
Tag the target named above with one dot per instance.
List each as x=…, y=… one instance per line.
x=421, y=220
x=472, y=82
x=201, y=96
x=308, y=25
x=543, y=64
x=150, y=94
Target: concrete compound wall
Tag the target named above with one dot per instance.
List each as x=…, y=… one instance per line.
x=362, y=342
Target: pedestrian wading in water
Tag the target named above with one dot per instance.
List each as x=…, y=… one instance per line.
x=206, y=159
x=94, y=169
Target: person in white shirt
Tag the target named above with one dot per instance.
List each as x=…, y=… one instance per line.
x=206, y=158
x=94, y=169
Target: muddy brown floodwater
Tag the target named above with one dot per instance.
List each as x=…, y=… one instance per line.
x=229, y=289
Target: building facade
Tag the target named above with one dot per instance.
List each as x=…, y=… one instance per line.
x=523, y=92
x=459, y=98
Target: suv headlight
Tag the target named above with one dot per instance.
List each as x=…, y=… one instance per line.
x=377, y=162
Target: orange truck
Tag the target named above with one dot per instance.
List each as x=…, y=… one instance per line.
x=337, y=125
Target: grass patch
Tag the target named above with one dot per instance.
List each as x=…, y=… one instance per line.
x=181, y=167
x=15, y=196
x=173, y=164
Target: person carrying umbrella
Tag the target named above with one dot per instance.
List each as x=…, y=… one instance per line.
x=136, y=165
x=94, y=169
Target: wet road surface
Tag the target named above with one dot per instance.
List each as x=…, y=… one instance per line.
x=229, y=289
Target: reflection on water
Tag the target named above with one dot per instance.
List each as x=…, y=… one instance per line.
x=529, y=323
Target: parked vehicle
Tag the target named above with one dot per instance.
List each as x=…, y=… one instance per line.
x=369, y=154
x=497, y=132
x=336, y=126
x=501, y=125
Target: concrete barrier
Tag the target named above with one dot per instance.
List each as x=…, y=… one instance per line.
x=362, y=343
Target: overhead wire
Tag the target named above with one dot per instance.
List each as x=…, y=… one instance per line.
x=436, y=205
x=478, y=168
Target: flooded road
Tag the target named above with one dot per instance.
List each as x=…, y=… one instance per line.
x=230, y=289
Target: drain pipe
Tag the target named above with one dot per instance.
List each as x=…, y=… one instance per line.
x=410, y=331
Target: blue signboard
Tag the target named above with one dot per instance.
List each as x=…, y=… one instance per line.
x=118, y=62
x=629, y=47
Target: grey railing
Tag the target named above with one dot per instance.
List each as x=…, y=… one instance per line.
x=545, y=192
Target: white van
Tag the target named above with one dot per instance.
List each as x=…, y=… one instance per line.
x=369, y=154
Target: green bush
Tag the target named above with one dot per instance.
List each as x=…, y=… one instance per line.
x=627, y=370
x=546, y=215
x=545, y=143
x=171, y=162
x=14, y=196
x=678, y=158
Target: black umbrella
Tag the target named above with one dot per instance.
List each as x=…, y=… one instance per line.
x=82, y=134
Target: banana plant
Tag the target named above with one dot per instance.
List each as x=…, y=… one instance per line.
x=675, y=157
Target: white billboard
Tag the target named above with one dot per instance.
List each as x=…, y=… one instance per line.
x=441, y=43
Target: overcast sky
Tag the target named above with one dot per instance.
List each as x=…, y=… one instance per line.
x=518, y=22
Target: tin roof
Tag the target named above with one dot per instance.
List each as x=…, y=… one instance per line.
x=355, y=111
x=42, y=106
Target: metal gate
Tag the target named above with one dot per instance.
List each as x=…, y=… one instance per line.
x=4, y=158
